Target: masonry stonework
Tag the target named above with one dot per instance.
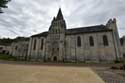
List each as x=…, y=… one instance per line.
x=93, y=43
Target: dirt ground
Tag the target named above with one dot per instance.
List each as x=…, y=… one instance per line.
x=15, y=73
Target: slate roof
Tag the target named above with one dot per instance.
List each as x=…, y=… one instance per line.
x=79, y=30
x=59, y=15
x=43, y=34
x=89, y=29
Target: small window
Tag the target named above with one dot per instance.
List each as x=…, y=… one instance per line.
x=122, y=41
x=34, y=47
x=91, y=41
x=16, y=47
x=42, y=44
x=78, y=41
x=124, y=55
x=1, y=48
x=105, y=40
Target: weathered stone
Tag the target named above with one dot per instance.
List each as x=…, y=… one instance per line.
x=61, y=44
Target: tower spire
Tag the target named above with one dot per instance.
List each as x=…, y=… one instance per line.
x=59, y=15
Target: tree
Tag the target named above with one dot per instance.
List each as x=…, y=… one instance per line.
x=3, y=4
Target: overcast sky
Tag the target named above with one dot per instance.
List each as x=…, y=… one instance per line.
x=28, y=17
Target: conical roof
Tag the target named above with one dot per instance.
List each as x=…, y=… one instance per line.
x=59, y=15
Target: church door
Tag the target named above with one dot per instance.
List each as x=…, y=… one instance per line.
x=55, y=58
x=55, y=54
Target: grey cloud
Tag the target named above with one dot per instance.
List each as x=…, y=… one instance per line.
x=27, y=17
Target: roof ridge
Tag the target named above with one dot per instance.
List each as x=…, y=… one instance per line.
x=87, y=26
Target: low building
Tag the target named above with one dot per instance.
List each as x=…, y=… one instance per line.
x=1, y=48
x=4, y=49
x=19, y=48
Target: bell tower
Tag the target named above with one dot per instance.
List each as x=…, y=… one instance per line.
x=58, y=24
x=112, y=24
x=56, y=38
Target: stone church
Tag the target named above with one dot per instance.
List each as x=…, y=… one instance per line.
x=91, y=43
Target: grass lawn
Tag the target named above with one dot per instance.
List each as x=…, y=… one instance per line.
x=7, y=57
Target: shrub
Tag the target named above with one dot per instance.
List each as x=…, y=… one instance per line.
x=115, y=67
x=120, y=61
x=122, y=67
x=7, y=57
x=116, y=61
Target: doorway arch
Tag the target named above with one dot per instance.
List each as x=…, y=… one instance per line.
x=55, y=58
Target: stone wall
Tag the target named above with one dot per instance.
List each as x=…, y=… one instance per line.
x=35, y=51
x=85, y=52
x=19, y=49
x=123, y=46
x=98, y=52
x=64, y=47
x=112, y=24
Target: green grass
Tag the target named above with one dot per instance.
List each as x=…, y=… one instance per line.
x=7, y=57
x=120, y=61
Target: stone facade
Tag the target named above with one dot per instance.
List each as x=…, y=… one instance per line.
x=19, y=49
x=92, y=43
x=123, y=46
x=4, y=49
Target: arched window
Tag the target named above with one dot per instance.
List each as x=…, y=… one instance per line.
x=41, y=44
x=91, y=41
x=124, y=55
x=16, y=47
x=105, y=40
x=78, y=41
x=34, y=47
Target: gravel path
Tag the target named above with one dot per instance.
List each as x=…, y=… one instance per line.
x=108, y=76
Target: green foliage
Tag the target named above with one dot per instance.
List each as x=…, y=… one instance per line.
x=115, y=67
x=6, y=41
x=3, y=4
x=116, y=61
x=7, y=57
x=122, y=67
x=120, y=61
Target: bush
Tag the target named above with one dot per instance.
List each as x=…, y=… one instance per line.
x=120, y=61
x=115, y=67
x=118, y=67
x=116, y=61
x=122, y=67
x=7, y=57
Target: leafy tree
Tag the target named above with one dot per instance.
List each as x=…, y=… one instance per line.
x=3, y=4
